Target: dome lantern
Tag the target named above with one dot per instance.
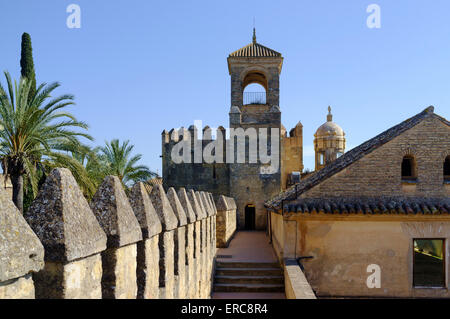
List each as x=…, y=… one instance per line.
x=329, y=142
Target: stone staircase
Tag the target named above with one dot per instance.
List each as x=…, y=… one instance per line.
x=253, y=277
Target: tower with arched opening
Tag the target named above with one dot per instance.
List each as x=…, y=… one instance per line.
x=250, y=182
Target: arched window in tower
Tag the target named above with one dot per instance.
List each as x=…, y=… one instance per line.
x=447, y=169
x=409, y=168
x=255, y=88
x=254, y=94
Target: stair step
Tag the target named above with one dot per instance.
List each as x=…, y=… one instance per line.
x=249, y=272
x=241, y=264
x=248, y=288
x=249, y=279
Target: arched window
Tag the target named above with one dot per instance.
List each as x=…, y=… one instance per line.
x=254, y=94
x=254, y=87
x=409, y=168
x=447, y=169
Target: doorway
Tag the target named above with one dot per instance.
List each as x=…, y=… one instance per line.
x=250, y=217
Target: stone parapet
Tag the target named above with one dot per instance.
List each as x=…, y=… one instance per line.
x=226, y=220
x=147, y=249
x=72, y=238
x=115, y=215
x=21, y=252
x=147, y=246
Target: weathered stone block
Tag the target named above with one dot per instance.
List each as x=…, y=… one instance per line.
x=203, y=260
x=180, y=245
x=72, y=238
x=169, y=222
x=148, y=268
x=148, y=249
x=166, y=265
x=163, y=208
x=78, y=279
x=61, y=218
x=190, y=244
x=188, y=209
x=144, y=211
x=226, y=221
x=19, y=288
x=115, y=215
x=190, y=265
x=21, y=252
x=119, y=272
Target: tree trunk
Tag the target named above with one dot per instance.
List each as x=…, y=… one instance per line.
x=17, y=184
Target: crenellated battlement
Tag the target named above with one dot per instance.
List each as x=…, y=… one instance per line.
x=160, y=244
x=191, y=170
x=192, y=133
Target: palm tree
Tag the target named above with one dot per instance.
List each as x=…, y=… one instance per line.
x=94, y=163
x=122, y=164
x=36, y=133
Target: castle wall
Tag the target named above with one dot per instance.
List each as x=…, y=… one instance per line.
x=209, y=177
x=155, y=245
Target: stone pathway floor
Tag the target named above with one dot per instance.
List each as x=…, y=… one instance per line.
x=248, y=246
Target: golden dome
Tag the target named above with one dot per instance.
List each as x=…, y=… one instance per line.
x=329, y=128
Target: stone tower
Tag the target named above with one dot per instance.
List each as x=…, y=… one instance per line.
x=329, y=142
x=291, y=155
x=250, y=183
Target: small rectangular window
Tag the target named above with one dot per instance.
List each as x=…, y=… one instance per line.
x=429, y=263
x=321, y=159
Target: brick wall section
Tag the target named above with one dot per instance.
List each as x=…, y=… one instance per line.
x=379, y=172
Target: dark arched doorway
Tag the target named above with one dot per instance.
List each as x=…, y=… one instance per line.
x=250, y=217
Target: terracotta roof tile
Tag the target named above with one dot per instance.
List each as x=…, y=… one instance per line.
x=255, y=50
x=369, y=205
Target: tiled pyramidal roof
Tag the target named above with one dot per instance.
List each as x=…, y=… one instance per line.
x=351, y=157
x=370, y=205
x=255, y=50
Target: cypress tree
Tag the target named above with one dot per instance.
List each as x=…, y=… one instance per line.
x=26, y=63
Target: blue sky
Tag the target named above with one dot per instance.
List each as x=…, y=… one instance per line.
x=138, y=67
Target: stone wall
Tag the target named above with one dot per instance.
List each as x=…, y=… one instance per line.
x=157, y=245
x=226, y=221
x=242, y=181
x=295, y=283
x=192, y=174
x=291, y=153
x=21, y=252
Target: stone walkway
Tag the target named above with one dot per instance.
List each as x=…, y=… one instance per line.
x=248, y=246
